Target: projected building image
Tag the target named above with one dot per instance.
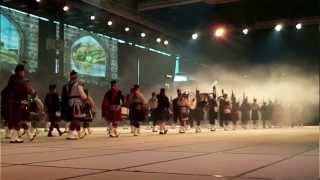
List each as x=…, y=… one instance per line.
x=88, y=57
x=10, y=41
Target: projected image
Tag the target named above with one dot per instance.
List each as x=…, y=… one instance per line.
x=10, y=41
x=88, y=57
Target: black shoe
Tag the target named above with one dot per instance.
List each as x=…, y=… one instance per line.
x=16, y=142
x=24, y=132
x=33, y=137
x=161, y=133
x=50, y=135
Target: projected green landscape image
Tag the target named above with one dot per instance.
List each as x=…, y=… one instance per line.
x=10, y=42
x=88, y=57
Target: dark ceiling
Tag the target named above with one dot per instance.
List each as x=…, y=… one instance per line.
x=172, y=19
x=201, y=15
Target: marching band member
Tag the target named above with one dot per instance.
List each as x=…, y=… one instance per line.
x=226, y=111
x=175, y=108
x=152, y=105
x=234, y=110
x=90, y=112
x=111, y=108
x=213, y=110
x=137, y=107
x=183, y=108
x=17, y=103
x=163, y=111
x=254, y=113
x=245, y=112
x=52, y=104
x=76, y=98
x=196, y=114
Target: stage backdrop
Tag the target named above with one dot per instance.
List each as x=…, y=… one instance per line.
x=18, y=39
x=93, y=56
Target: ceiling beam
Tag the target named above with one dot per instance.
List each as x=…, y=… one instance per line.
x=131, y=16
x=145, y=6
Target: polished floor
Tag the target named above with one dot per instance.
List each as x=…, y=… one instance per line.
x=271, y=154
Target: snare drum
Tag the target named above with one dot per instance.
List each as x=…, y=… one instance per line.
x=124, y=112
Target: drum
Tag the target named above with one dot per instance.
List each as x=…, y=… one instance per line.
x=124, y=112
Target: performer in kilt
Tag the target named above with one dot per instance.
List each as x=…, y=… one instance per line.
x=18, y=90
x=175, y=108
x=153, y=104
x=76, y=98
x=196, y=114
x=37, y=114
x=265, y=117
x=255, y=113
x=52, y=104
x=111, y=108
x=137, y=106
x=163, y=111
x=213, y=112
x=226, y=111
x=183, y=110
x=90, y=112
x=245, y=112
x=234, y=111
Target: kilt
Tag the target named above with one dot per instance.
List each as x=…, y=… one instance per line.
x=162, y=114
x=255, y=115
x=137, y=112
x=114, y=114
x=235, y=116
x=184, y=113
x=213, y=115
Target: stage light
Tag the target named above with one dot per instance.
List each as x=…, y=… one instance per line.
x=219, y=32
x=65, y=8
x=143, y=35
x=278, y=27
x=92, y=18
x=245, y=31
x=38, y=1
x=158, y=40
x=195, y=36
x=110, y=23
x=299, y=26
x=166, y=42
x=126, y=29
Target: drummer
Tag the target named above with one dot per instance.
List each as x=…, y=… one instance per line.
x=111, y=108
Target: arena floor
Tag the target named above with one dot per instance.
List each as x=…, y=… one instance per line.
x=277, y=154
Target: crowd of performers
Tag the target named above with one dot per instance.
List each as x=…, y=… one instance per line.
x=22, y=109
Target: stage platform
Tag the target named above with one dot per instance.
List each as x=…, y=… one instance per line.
x=262, y=154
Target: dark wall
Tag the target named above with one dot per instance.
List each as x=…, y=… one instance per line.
x=153, y=68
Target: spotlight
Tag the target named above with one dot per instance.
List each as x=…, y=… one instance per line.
x=92, y=18
x=110, y=23
x=278, y=27
x=38, y=1
x=65, y=8
x=143, y=35
x=245, y=31
x=298, y=26
x=126, y=29
x=195, y=36
x=158, y=40
x=219, y=32
x=166, y=42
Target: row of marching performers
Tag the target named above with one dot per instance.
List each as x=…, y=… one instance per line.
x=76, y=107
x=188, y=109
x=23, y=111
